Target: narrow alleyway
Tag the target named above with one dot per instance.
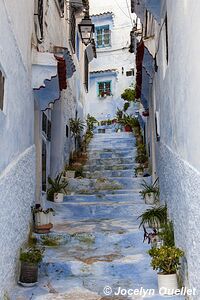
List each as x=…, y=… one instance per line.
x=100, y=244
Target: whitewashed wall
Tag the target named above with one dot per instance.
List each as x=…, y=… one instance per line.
x=114, y=57
x=17, y=152
x=177, y=99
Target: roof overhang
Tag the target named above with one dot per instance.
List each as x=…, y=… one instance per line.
x=45, y=81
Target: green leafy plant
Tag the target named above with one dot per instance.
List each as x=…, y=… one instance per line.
x=126, y=106
x=141, y=158
x=139, y=169
x=167, y=234
x=57, y=186
x=130, y=121
x=166, y=259
x=90, y=121
x=149, y=188
x=109, y=122
x=154, y=217
x=141, y=149
x=50, y=241
x=119, y=114
x=128, y=94
x=76, y=127
x=32, y=255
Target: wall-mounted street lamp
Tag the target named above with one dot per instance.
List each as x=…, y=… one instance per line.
x=86, y=29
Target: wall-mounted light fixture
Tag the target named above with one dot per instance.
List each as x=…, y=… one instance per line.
x=86, y=29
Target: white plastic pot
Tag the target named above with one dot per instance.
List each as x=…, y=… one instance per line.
x=41, y=218
x=167, y=284
x=58, y=197
x=150, y=198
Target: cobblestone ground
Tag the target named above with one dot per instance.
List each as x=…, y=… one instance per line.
x=100, y=244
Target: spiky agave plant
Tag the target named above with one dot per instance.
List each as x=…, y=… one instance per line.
x=154, y=217
x=57, y=186
x=149, y=188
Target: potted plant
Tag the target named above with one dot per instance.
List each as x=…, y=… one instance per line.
x=58, y=187
x=43, y=219
x=90, y=121
x=166, y=261
x=69, y=173
x=145, y=113
x=141, y=158
x=30, y=258
x=150, y=192
x=76, y=128
x=139, y=171
x=154, y=217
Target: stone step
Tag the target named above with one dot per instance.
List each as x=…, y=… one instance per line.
x=78, y=211
x=123, y=197
x=111, y=161
x=115, y=154
x=92, y=168
x=110, y=173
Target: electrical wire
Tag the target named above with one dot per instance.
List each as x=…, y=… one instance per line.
x=122, y=9
x=129, y=12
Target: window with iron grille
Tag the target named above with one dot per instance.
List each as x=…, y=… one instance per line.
x=104, y=88
x=40, y=17
x=103, y=37
x=49, y=130
x=61, y=5
x=44, y=166
x=2, y=81
x=130, y=73
x=86, y=72
x=46, y=126
x=67, y=131
x=73, y=27
x=166, y=37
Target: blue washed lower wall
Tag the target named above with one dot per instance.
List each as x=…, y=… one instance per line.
x=180, y=188
x=17, y=190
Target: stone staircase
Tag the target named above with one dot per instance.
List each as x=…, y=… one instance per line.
x=100, y=243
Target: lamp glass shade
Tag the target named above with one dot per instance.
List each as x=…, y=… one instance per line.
x=86, y=29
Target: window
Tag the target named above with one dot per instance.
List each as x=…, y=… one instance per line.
x=166, y=32
x=104, y=88
x=73, y=27
x=103, y=38
x=39, y=15
x=77, y=46
x=2, y=81
x=86, y=72
x=44, y=166
x=67, y=131
x=130, y=73
x=46, y=126
x=61, y=5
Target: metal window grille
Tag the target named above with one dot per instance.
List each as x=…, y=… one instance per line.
x=73, y=27
x=2, y=80
x=104, y=89
x=86, y=72
x=103, y=36
x=40, y=17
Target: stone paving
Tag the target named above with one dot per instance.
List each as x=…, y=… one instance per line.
x=100, y=243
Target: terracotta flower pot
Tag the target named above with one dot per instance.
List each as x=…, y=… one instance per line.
x=128, y=128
